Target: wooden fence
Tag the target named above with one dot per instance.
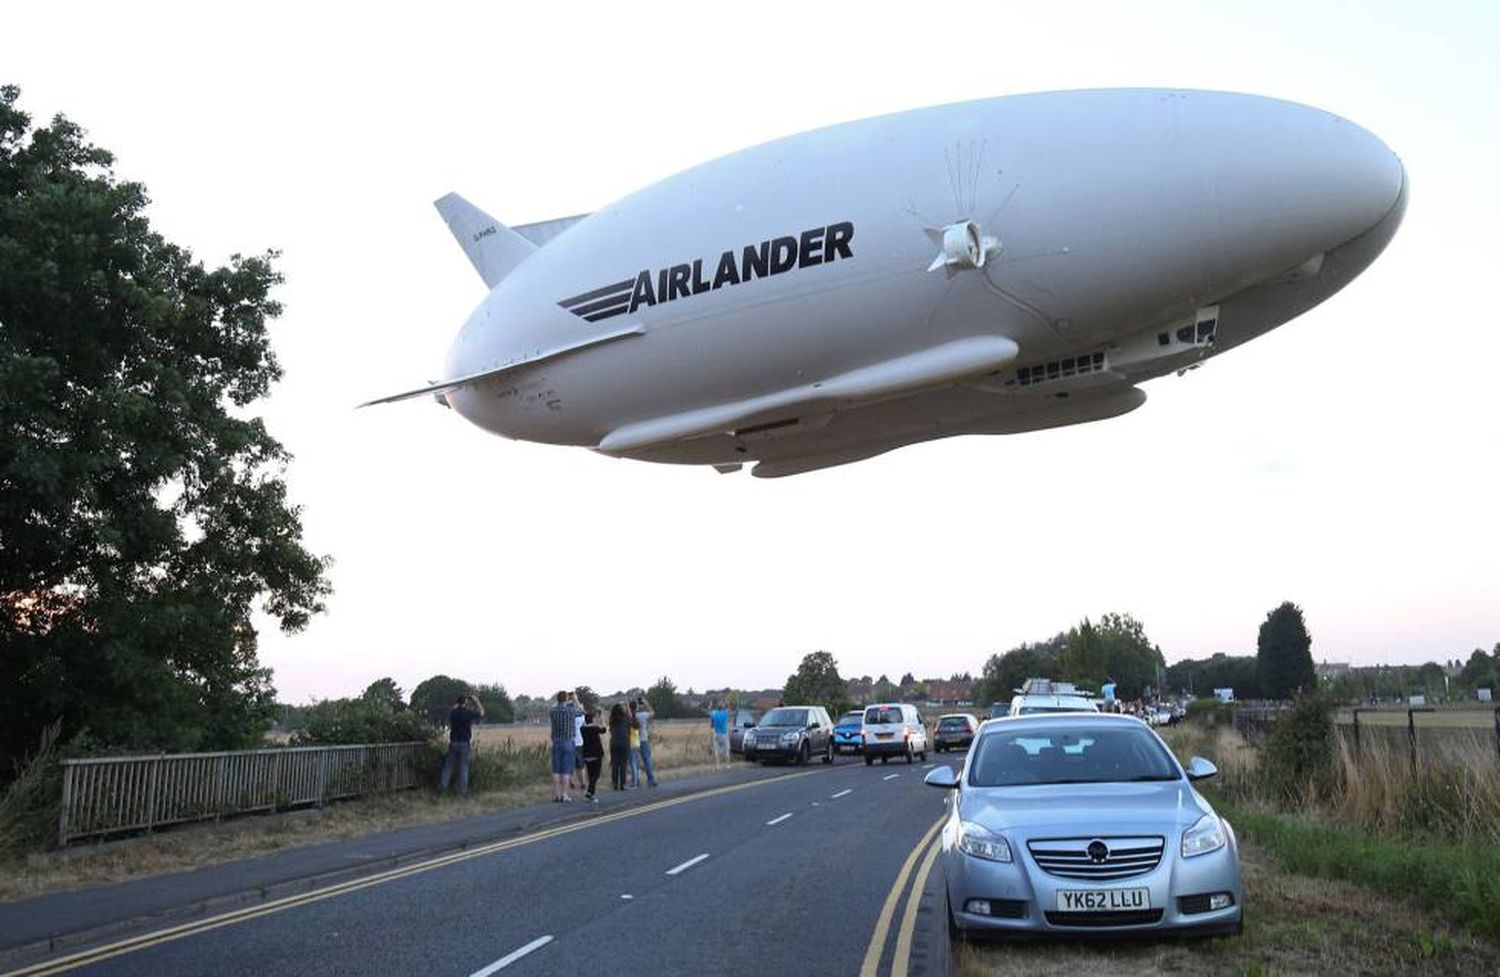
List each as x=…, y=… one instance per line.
x=103, y=795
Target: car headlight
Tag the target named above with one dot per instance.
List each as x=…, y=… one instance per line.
x=1205, y=836
x=982, y=843
x=749, y=739
x=790, y=737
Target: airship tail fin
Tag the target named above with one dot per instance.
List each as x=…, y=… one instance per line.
x=493, y=249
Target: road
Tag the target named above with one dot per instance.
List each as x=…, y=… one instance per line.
x=810, y=872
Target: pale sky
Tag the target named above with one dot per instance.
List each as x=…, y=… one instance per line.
x=1346, y=461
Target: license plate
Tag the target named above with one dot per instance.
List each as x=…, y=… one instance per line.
x=1102, y=900
x=884, y=736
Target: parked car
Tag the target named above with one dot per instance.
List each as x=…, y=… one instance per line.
x=849, y=732
x=894, y=729
x=1084, y=824
x=1000, y=708
x=793, y=733
x=743, y=719
x=954, y=731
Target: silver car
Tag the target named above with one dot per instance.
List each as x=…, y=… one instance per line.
x=1084, y=824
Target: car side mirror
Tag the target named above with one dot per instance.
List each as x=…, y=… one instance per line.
x=942, y=777
x=1200, y=769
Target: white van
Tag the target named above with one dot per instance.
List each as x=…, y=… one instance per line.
x=894, y=729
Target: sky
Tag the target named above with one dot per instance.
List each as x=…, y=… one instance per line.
x=1347, y=461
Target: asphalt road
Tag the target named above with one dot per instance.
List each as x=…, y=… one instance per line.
x=808, y=873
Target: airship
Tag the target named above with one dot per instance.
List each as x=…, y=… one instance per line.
x=989, y=267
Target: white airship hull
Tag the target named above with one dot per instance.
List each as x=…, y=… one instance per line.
x=989, y=267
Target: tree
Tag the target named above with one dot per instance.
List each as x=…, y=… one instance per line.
x=1116, y=648
x=143, y=509
x=667, y=704
x=496, y=702
x=884, y=691
x=816, y=682
x=1005, y=672
x=1283, y=654
x=587, y=697
x=385, y=691
x=434, y=697
x=362, y=720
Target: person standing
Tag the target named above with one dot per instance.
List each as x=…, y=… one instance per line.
x=593, y=751
x=466, y=711
x=561, y=719
x=619, y=744
x=643, y=720
x=718, y=719
x=575, y=779
x=635, y=749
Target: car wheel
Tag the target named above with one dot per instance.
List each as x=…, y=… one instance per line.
x=869, y=761
x=828, y=754
x=884, y=759
x=910, y=756
x=803, y=754
x=924, y=756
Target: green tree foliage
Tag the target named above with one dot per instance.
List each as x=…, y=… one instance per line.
x=1116, y=648
x=817, y=683
x=362, y=720
x=1284, y=654
x=1005, y=672
x=385, y=691
x=498, y=707
x=143, y=512
x=1201, y=676
x=588, y=697
x=667, y=704
x=434, y=697
x=1299, y=751
x=1482, y=671
x=884, y=691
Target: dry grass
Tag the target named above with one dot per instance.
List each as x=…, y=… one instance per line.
x=1293, y=925
x=677, y=750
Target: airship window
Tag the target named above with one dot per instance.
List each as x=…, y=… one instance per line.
x=1163, y=338
x=1185, y=334
x=1206, y=329
x=1052, y=370
x=1099, y=360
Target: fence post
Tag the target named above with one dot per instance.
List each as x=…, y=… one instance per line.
x=67, y=795
x=1497, y=729
x=1356, y=729
x=1411, y=735
x=151, y=793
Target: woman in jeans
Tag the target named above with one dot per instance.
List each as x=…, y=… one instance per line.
x=619, y=745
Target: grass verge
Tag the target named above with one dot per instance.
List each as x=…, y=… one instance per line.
x=1458, y=880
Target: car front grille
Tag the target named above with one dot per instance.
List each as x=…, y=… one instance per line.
x=1120, y=917
x=1071, y=858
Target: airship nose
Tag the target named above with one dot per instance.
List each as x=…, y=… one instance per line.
x=1305, y=182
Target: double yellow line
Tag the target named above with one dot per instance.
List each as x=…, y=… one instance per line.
x=901, y=959
x=133, y=944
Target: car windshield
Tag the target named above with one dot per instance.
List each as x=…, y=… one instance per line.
x=955, y=723
x=1016, y=757
x=877, y=716
x=851, y=719
x=785, y=717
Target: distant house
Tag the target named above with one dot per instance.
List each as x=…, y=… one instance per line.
x=947, y=693
x=1328, y=671
x=860, y=693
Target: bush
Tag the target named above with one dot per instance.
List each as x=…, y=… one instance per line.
x=1300, y=750
x=1211, y=712
x=338, y=722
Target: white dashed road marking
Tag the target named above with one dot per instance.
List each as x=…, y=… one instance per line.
x=687, y=864
x=512, y=957
x=890, y=776
x=846, y=790
x=778, y=820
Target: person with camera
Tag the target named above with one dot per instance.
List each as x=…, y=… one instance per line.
x=466, y=711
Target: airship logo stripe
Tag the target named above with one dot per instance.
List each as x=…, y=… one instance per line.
x=623, y=298
x=598, y=293
x=613, y=310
